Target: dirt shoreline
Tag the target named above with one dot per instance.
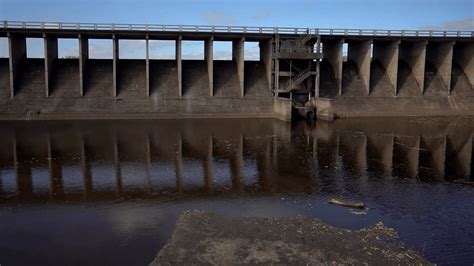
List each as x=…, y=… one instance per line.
x=209, y=238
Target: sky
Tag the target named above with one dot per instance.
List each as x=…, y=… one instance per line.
x=367, y=14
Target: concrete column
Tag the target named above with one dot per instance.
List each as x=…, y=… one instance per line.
x=440, y=56
x=266, y=58
x=463, y=56
x=83, y=58
x=277, y=66
x=50, y=57
x=179, y=65
x=359, y=52
x=115, y=55
x=332, y=51
x=238, y=58
x=17, y=51
x=209, y=57
x=147, y=54
x=413, y=55
x=384, y=84
x=209, y=165
x=277, y=76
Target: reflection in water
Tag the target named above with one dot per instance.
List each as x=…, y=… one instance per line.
x=114, y=159
x=115, y=188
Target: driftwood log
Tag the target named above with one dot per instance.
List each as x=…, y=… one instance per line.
x=350, y=204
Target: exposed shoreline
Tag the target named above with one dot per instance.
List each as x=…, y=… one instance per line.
x=208, y=238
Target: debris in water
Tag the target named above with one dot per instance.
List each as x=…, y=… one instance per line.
x=350, y=204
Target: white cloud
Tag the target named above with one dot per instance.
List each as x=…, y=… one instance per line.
x=219, y=18
x=461, y=24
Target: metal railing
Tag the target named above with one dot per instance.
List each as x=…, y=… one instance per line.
x=230, y=29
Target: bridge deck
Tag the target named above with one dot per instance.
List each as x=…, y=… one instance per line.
x=138, y=31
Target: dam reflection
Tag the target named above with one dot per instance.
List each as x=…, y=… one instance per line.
x=101, y=160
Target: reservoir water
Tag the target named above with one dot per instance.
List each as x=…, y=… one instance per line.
x=109, y=192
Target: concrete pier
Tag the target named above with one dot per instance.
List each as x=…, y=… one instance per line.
x=17, y=52
x=209, y=57
x=384, y=67
x=357, y=78
x=266, y=58
x=115, y=58
x=462, y=78
x=333, y=58
x=238, y=58
x=179, y=65
x=50, y=58
x=83, y=59
x=411, y=68
x=439, y=58
x=147, y=65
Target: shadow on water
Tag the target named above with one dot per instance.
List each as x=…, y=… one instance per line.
x=110, y=191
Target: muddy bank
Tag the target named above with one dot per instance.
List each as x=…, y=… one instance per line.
x=208, y=238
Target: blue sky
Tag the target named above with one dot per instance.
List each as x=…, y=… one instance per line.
x=386, y=14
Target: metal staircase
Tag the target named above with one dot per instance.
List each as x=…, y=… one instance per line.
x=302, y=76
x=304, y=39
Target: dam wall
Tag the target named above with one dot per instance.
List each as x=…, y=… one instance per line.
x=398, y=77
x=361, y=72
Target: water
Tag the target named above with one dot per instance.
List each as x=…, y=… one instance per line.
x=109, y=192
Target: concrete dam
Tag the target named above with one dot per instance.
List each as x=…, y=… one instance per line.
x=323, y=72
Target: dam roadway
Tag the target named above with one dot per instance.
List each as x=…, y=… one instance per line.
x=329, y=72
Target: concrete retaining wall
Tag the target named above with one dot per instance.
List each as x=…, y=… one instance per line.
x=415, y=106
x=282, y=108
x=131, y=100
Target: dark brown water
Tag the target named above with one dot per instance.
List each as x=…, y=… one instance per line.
x=109, y=192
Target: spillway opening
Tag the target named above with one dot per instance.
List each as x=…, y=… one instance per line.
x=251, y=51
x=132, y=49
x=162, y=49
x=68, y=48
x=34, y=48
x=4, y=47
x=100, y=49
x=345, y=51
x=193, y=50
x=222, y=50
